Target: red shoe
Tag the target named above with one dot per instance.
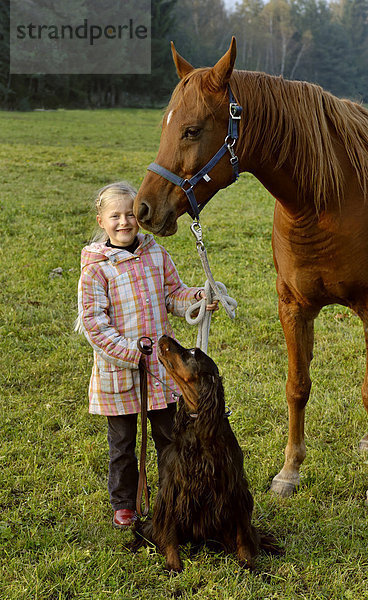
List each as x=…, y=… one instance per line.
x=124, y=518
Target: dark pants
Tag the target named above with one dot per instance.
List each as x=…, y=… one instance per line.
x=123, y=467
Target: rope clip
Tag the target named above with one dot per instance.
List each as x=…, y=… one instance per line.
x=196, y=230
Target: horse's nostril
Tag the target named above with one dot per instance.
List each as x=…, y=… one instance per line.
x=144, y=212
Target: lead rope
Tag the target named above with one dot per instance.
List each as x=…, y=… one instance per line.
x=214, y=290
x=146, y=350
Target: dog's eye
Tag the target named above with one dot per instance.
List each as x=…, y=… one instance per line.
x=192, y=351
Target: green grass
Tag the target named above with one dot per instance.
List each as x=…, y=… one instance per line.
x=55, y=524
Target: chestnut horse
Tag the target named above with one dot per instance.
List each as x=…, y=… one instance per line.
x=310, y=150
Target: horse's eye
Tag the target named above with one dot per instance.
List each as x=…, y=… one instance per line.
x=192, y=132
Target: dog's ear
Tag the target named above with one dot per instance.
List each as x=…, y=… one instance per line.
x=181, y=417
x=211, y=406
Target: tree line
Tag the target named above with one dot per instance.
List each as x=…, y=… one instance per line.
x=313, y=40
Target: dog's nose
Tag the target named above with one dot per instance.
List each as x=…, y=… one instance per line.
x=163, y=343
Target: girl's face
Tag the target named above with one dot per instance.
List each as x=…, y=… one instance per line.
x=118, y=220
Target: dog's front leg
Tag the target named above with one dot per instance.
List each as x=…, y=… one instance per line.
x=170, y=547
x=165, y=532
x=173, y=562
x=246, y=546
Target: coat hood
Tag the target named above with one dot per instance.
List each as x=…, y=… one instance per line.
x=98, y=251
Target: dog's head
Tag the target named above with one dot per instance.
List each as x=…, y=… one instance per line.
x=195, y=373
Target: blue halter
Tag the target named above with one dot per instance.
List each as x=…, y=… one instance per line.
x=187, y=185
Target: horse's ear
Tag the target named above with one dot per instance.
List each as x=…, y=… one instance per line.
x=220, y=74
x=182, y=65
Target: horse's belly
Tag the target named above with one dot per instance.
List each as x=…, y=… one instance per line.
x=322, y=266
x=319, y=287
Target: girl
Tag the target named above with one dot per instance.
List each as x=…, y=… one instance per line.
x=128, y=284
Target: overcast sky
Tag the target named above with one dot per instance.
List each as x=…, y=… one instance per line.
x=230, y=4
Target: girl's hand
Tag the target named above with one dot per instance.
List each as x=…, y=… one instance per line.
x=200, y=295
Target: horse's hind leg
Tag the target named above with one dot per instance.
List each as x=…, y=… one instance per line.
x=363, y=444
x=298, y=326
x=363, y=314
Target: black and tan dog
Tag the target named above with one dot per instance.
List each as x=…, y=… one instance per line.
x=203, y=493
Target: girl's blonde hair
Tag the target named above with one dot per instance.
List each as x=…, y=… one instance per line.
x=104, y=196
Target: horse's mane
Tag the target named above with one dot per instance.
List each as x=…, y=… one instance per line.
x=294, y=119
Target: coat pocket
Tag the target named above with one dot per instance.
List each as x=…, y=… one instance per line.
x=116, y=381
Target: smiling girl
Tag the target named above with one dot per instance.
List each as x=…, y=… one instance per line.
x=128, y=285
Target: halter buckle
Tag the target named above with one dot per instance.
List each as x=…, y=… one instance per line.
x=235, y=110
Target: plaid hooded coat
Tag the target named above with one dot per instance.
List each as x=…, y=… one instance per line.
x=121, y=297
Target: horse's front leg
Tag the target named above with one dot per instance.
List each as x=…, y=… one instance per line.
x=298, y=326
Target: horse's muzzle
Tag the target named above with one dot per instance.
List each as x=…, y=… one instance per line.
x=163, y=224
x=144, y=213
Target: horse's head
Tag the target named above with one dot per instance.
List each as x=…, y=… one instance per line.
x=194, y=127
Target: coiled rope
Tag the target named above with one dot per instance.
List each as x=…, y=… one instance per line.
x=203, y=318
x=214, y=290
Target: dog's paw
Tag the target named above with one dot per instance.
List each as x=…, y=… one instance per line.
x=174, y=568
x=173, y=562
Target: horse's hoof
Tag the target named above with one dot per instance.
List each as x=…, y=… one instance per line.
x=282, y=488
x=363, y=444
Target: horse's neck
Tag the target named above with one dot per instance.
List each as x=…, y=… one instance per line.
x=278, y=182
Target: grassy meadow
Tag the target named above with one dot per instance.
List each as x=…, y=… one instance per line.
x=57, y=541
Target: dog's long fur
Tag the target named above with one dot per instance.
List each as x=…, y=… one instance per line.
x=203, y=492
